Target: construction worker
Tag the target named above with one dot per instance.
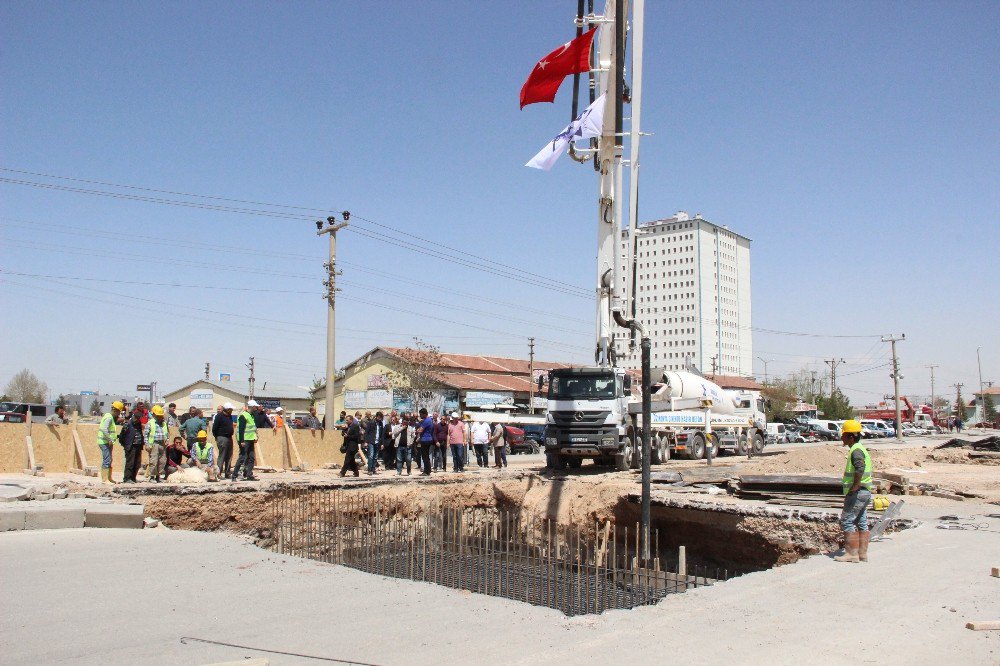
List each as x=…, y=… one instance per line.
x=156, y=444
x=203, y=456
x=107, y=435
x=857, y=495
x=246, y=437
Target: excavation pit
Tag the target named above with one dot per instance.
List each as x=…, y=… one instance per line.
x=523, y=536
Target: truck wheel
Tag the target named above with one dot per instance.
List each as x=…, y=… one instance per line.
x=661, y=450
x=654, y=450
x=623, y=460
x=575, y=463
x=758, y=443
x=741, y=445
x=696, y=447
x=555, y=461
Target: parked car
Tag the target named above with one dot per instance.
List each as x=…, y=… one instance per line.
x=534, y=437
x=793, y=433
x=826, y=430
x=881, y=426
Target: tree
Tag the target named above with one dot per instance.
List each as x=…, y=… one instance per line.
x=95, y=407
x=26, y=387
x=960, y=406
x=416, y=372
x=989, y=409
x=61, y=401
x=777, y=397
x=836, y=406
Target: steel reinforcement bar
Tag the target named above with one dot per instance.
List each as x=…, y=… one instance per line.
x=499, y=553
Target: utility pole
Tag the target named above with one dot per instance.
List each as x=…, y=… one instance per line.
x=765, y=368
x=251, y=366
x=982, y=398
x=896, y=376
x=531, y=375
x=208, y=370
x=933, y=395
x=331, y=312
x=715, y=364
x=833, y=363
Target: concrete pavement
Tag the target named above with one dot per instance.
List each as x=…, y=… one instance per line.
x=123, y=596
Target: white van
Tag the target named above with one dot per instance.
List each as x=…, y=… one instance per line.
x=879, y=426
x=776, y=433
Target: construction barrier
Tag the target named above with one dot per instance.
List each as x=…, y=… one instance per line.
x=28, y=447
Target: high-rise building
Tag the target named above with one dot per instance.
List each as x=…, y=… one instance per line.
x=692, y=292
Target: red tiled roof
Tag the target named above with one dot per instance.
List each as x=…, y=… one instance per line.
x=486, y=364
x=486, y=382
x=731, y=382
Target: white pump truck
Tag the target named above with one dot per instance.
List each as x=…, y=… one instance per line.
x=594, y=412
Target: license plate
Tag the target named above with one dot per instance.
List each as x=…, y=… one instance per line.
x=578, y=439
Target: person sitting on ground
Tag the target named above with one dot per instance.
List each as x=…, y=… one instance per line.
x=176, y=453
x=203, y=456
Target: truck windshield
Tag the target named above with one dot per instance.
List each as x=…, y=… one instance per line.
x=575, y=387
x=8, y=407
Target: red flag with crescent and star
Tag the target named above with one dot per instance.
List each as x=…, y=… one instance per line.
x=570, y=58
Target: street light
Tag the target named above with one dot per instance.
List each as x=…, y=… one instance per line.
x=765, y=367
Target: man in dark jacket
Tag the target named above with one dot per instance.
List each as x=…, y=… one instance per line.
x=352, y=442
x=440, y=455
x=222, y=431
x=132, y=441
x=374, y=434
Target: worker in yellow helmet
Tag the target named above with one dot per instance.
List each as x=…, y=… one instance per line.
x=156, y=444
x=203, y=456
x=107, y=434
x=857, y=495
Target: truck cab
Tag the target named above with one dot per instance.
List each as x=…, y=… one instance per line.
x=585, y=419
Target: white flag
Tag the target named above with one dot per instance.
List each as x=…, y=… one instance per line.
x=590, y=124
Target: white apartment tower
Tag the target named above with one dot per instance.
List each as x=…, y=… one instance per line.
x=692, y=292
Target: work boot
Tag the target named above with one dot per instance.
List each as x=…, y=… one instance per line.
x=110, y=480
x=104, y=475
x=850, y=548
x=863, y=545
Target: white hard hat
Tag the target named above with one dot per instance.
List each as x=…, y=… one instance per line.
x=454, y=415
x=280, y=409
x=252, y=403
x=228, y=405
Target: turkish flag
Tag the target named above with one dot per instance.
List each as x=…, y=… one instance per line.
x=570, y=58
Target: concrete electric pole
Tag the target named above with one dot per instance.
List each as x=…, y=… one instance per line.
x=933, y=395
x=251, y=366
x=531, y=375
x=833, y=363
x=331, y=313
x=896, y=376
x=982, y=398
x=208, y=370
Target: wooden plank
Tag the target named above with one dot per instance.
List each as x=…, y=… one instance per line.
x=79, y=457
x=995, y=572
x=29, y=450
x=789, y=480
x=984, y=625
x=303, y=465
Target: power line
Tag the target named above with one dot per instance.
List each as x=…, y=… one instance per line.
x=506, y=270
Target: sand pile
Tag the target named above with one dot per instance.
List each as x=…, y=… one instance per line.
x=188, y=475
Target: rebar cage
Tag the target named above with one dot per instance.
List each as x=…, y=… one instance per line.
x=573, y=568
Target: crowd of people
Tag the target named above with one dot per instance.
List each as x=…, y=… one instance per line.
x=147, y=429
x=392, y=441
x=383, y=441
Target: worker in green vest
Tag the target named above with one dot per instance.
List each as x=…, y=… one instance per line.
x=246, y=437
x=107, y=435
x=857, y=495
x=203, y=456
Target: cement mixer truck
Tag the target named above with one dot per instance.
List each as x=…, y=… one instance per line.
x=594, y=414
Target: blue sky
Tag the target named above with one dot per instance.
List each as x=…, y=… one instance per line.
x=855, y=143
